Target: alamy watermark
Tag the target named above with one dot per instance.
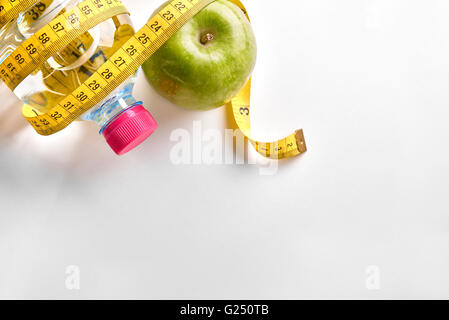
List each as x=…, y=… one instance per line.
x=73, y=277
x=215, y=147
x=372, y=280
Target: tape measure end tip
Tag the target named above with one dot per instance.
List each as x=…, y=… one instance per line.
x=300, y=141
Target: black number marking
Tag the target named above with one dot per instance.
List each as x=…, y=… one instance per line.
x=94, y=85
x=11, y=67
x=143, y=38
x=131, y=50
x=44, y=122
x=73, y=18
x=31, y=49
x=107, y=74
x=98, y=3
x=19, y=58
x=68, y=106
x=119, y=62
x=82, y=96
x=56, y=115
x=244, y=111
x=44, y=38
x=180, y=6
x=58, y=27
x=168, y=15
x=87, y=10
x=155, y=26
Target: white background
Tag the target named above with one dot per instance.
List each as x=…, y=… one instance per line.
x=367, y=80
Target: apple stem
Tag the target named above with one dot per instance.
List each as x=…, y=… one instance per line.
x=206, y=38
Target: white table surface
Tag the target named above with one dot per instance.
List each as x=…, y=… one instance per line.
x=363, y=214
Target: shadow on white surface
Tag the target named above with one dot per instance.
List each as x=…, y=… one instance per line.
x=79, y=151
x=78, y=148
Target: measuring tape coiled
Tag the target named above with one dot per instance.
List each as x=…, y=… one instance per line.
x=121, y=65
x=57, y=34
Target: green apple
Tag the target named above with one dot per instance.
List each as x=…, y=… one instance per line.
x=207, y=62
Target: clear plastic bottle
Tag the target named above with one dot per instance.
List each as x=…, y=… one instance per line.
x=124, y=122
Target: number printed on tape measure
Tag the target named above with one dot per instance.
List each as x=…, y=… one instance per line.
x=82, y=93
x=10, y=9
x=134, y=47
x=120, y=59
x=46, y=36
x=56, y=35
x=96, y=83
x=59, y=24
x=147, y=35
x=108, y=72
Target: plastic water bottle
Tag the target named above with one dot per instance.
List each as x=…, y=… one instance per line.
x=124, y=122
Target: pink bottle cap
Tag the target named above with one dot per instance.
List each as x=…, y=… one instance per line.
x=129, y=129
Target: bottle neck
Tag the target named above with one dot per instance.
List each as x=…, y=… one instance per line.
x=115, y=109
x=111, y=107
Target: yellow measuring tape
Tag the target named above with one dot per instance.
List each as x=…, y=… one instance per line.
x=290, y=146
x=10, y=9
x=35, y=12
x=57, y=34
x=119, y=67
